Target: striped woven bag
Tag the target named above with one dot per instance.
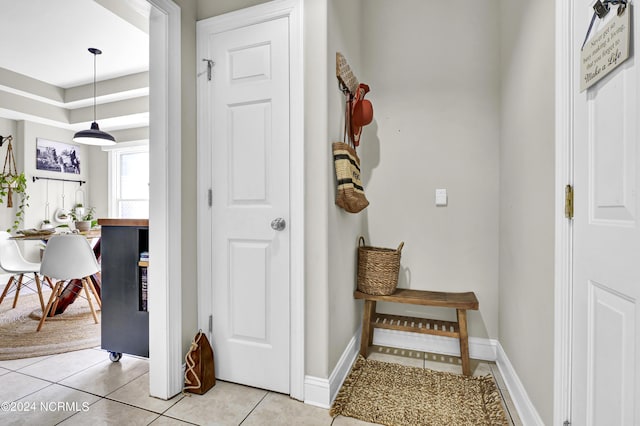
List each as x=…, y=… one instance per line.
x=350, y=193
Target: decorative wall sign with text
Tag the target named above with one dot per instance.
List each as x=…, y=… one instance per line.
x=606, y=50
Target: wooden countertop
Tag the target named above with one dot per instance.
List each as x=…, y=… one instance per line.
x=92, y=233
x=123, y=222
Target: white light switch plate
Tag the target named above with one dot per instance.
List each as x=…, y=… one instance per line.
x=441, y=197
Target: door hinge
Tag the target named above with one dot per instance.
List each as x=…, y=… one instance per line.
x=568, y=202
x=210, y=197
x=210, y=65
x=566, y=423
x=210, y=323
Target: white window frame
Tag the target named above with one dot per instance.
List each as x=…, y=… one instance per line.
x=114, y=169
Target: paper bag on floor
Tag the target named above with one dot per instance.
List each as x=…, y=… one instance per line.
x=200, y=375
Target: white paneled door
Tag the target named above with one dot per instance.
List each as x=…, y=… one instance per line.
x=249, y=104
x=605, y=352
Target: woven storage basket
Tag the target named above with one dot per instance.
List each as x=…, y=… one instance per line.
x=378, y=269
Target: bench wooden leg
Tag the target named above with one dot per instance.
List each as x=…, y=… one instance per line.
x=367, y=331
x=371, y=316
x=464, y=341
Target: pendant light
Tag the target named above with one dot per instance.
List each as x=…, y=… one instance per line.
x=94, y=136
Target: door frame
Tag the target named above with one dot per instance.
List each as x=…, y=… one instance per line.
x=165, y=220
x=291, y=9
x=563, y=306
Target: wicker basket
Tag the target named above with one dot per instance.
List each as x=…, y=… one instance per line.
x=378, y=269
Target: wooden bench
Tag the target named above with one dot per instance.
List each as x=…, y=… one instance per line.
x=460, y=301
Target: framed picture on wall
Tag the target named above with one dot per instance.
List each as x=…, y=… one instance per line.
x=57, y=157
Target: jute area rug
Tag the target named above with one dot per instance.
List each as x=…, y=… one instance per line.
x=73, y=330
x=392, y=394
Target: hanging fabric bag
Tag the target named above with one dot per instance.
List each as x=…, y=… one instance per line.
x=349, y=192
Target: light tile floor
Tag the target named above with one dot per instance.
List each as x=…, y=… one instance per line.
x=85, y=388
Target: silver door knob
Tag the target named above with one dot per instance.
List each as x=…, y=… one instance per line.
x=278, y=224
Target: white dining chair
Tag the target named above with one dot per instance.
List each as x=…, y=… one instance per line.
x=68, y=257
x=12, y=262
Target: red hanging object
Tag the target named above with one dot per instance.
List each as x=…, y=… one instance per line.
x=361, y=113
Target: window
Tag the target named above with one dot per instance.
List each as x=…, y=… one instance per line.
x=129, y=189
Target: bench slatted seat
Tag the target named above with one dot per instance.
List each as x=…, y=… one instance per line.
x=461, y=302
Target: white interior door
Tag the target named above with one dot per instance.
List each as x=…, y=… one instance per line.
x=605, y=357
x=249, y=96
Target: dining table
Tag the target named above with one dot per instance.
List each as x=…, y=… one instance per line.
x=73, y=287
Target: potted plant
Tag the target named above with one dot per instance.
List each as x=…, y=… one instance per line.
x=10, y=184
x=82, y=217
x=11, y=181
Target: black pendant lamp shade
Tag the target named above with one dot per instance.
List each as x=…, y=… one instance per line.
x=94, y=136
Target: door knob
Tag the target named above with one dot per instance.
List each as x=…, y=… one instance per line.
x=278, y=224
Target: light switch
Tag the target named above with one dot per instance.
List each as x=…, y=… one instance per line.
x=441, y=197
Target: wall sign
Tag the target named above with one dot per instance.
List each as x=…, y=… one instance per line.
x=607, y=49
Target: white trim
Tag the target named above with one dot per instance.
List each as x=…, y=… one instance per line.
x=525, y=408
x=563, y=227
x=128, y=144
x=296, y=190
x=165, y=221
x=292, y=9
x=479, y=348
x=317, y=392
x=322, y=392
x=204, y=266
x=114, y=174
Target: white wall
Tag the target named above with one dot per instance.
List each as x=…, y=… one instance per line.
x=433, y=69
x=97, y=188
x=188, y=184
x=28, y=132
x=527, y=196
x=344, y=32
x=317, y=189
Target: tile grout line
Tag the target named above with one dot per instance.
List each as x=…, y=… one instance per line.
x=175, y=418
x=24, y=366
x=58, y=381
x=35, y=391
x=254, y=407
x=100, y=397
x=142, y=408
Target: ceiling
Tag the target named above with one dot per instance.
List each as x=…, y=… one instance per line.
x=46, y=70
x=48, y=40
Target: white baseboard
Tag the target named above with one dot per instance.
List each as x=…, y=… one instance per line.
x=526, y=410
x=321, y=392
x=479, y=348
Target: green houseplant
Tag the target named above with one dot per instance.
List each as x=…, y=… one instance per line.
x=10, y=184
x=82, y=217
x=11, y=181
